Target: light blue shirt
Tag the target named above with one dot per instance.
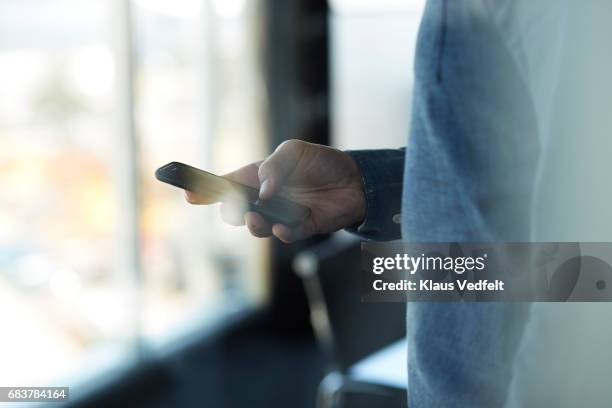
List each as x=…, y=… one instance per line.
x=510, y=140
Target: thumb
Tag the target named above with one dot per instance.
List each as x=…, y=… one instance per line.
x=275, y=170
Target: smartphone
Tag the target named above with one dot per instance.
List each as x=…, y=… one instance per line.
x=276, y=210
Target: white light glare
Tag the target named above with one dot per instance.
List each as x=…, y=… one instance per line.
x=65, y=284
x=176, y=8
x=229, y=8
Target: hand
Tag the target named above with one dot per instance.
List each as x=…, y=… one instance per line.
x=322, y=178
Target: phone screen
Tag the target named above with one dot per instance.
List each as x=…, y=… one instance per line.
x=276, y=210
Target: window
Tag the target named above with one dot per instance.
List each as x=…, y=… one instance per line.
x=373, y=44
x=95, y=263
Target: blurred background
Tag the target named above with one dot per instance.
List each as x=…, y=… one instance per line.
x=109, y=282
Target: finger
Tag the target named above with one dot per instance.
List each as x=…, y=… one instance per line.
x=198, y=199
x=289, y=234
x=278, y=167
x=246, y=175
x=257, y=225
x=232, y=214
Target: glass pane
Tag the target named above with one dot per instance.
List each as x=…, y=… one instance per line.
x=198, y=97
x=373, y=45
x=67, y=302
x=61, y=307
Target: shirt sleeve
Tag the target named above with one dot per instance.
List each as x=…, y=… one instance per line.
x=382, y=172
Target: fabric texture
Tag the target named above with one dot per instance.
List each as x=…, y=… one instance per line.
x=472, y=125
x=469, y=174
x=383, y=180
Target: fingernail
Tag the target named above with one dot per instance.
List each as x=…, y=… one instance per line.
x=263, y=189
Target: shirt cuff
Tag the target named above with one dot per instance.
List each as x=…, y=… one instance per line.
x=382, y=173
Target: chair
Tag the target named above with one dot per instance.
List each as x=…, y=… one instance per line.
x=365, y=342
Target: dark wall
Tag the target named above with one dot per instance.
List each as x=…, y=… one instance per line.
x=296, y=65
